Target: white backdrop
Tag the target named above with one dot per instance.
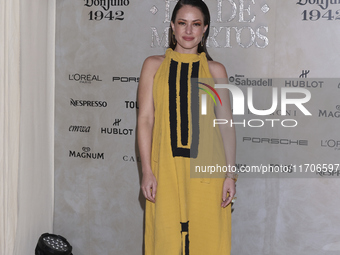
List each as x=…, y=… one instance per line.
x=99, y=53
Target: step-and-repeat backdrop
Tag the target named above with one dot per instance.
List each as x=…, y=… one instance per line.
x=282, y=55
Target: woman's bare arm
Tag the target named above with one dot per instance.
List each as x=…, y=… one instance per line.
x=227, y=132
x=145, y=124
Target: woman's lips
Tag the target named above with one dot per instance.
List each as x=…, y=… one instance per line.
x=187, y=38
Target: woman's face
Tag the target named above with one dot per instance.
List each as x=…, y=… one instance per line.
x=188, y=29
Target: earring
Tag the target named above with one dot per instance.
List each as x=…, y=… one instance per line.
x=173, y=39
x=202, y=44
x=202, y=41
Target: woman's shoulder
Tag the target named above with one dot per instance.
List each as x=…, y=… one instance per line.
x=217, y=69
x=150, y=67
x=153, y=62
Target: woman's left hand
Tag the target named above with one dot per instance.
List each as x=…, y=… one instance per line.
x=228, y=186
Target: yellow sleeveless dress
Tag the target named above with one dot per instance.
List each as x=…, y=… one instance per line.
x=187, y=217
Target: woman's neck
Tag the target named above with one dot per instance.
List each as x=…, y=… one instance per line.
x=186, y=51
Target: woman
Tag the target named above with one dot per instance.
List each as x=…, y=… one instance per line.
x=184, y=214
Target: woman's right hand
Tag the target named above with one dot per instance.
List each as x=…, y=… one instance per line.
x=149, y=186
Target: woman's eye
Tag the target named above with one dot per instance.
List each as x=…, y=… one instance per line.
x=181, y=23
x=197, y=24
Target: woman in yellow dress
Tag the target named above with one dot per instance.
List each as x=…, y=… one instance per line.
x=185, y=215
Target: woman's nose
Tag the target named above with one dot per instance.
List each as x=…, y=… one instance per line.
x=188, y=29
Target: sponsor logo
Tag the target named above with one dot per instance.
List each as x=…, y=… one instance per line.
x=106, y=13
x=330, y=114
x=329, y=172
x=303, y=84
x=106, y=4
x=88, y=103
x=280, y=141
x=81, y=129
x=84, y=78
x=324, y=13
x=86, y=154
x=304, y=74
x=323, y=4
x=125, y=79
x=331, y=143
x=131, y=104
x=116, y=130
x=251, y=82
x=129, y=158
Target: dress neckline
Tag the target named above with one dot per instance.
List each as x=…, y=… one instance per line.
x=184, y=57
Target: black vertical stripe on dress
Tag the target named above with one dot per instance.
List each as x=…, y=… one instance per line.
x=173, y=105
x=183, y=97
x=194, y=110
x=185, y=228
x=184, y=105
